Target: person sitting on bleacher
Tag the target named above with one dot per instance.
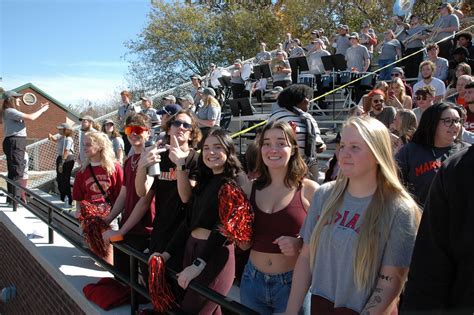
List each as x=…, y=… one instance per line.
x=294, y=106
x=385, y=114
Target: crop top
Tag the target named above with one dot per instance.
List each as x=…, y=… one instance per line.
x=269, y=226
x=202, y=212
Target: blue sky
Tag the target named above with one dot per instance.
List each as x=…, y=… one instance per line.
x=72, y=49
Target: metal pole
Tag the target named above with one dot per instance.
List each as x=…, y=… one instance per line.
x=50, y=229
x=133, y=280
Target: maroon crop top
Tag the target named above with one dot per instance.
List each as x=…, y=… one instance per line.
x=269, y=226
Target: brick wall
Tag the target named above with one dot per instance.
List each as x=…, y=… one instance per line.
x=37, y=292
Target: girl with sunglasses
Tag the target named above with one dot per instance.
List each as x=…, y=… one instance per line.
x=137, y=212
x=208, y=257
x=99, y=163
x=178, y=162
x=434, y=141
x=280, y=197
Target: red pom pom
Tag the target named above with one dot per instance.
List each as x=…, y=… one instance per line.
x=160, y=292
x=235, y=213
x=93, y=225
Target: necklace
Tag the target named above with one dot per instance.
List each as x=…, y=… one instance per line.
x=134, y=163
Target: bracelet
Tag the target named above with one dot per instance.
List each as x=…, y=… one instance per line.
x=199, y=263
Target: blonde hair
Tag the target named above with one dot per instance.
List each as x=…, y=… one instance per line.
x=402, y=94
x=107, y=155
x=390, y=197
x=211, y=101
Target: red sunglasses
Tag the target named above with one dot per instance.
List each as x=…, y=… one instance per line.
x=138, y=130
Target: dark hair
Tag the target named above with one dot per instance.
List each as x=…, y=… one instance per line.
x=232, y=166
x=8, y=103
x=139, y=119
x=426, y=131
x=195, y=135
x=467, y=36
x=294, y=95
x=115, y=132
x=68, y=132
x=297, y=168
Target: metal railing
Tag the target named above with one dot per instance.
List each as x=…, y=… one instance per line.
x=49, y=214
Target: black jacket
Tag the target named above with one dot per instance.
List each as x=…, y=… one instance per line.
x=441, y=277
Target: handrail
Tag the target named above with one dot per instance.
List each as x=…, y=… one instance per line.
x=135, y=255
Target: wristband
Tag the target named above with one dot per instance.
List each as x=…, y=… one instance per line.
x=199, y=263
x=181, y=167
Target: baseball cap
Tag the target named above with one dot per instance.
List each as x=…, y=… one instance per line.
x=87, y=117
x=354, y=35
x=8, y=94
x=315, y=32
x=237, y=61
x=194, y=77
x=146, y=99
x=108, y=121
x=442, y=5
x=208, y=91
x=169, y=109
x=170, y=98
x=64, y=126
x=186, y=97
x=344, y=26
x=398, y=70
x=323, y=46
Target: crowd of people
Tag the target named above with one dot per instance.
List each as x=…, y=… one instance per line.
x=391, y=212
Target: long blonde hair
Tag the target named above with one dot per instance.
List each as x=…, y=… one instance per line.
x=402, y=94
x=390, y=196
x=107, y=155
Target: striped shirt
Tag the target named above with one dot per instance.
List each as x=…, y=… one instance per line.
x=285, y=115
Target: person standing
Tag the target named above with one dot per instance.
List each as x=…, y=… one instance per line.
x=442, y=64
x=444, y=28
x=441, y=280
x=389, y=51
x=281, y=70
x=108, y=127
x=123, y=112
x=86, y=126
x=14, y=133
x=64, y=160
x=413, y=42
x=342, y=40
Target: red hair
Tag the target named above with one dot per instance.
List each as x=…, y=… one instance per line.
x=376, y=92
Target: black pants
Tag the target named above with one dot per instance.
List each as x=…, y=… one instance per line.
x=445, y=49
x=64, y=179
x=14, y=149
x=126, y=143
x=122, y=260
x=412, y=64
x=238, y=90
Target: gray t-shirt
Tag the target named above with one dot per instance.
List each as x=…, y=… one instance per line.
x=117, y=144
x=210, y=113
x=315, y=63
x=123, y=111
x=65, y=143
x=389, y=49
x=442, y=68
x=416, y=43
x=282, y=76
x=13, y=123
x=444, y=22
x=342, y=44
x=356, y=57
x=262, y=56
x=387, y=116
x=333, y=274
x=151, y=113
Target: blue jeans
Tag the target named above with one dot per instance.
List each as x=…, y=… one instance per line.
x=264, y=293
x=384, y=74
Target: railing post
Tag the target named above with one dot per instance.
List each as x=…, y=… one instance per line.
x=133, y=280
x=50, y=229
x=13, y=198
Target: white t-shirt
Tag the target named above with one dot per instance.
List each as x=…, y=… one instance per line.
x=438, y=85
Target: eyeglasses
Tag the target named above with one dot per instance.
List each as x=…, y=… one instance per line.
x=421, y=97
x=138, y=130
x=179, y=123
x=448, y=122
x=378, y=101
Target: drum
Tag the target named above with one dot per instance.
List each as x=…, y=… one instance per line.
x=369, y=81
x=327, y=81
x=307, y=79
x=246, y=71
x=345, y=77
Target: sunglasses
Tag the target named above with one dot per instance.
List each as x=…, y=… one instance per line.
x=448, y=122
x=378, y=101
x=138, y=130
x=421, y=98
x=179, y=123
x=395, y=74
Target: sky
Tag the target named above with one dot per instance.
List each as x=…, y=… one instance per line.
x=71, y=49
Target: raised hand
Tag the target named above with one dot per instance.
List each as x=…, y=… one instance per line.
x=177, y=155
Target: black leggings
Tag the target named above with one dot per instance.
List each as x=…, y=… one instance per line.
x=14, y=149
x=64, y=179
